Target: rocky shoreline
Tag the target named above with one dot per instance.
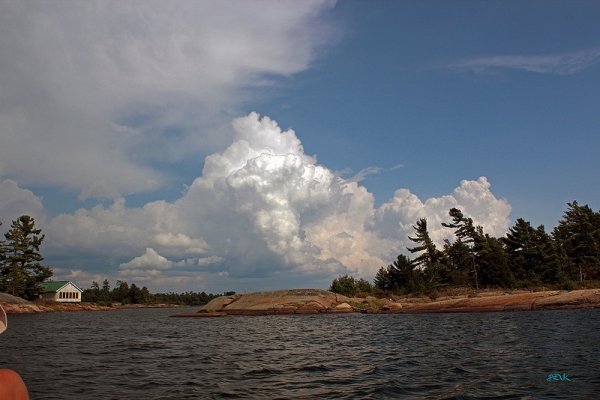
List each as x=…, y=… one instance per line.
x=16, y=305
x=316, y=301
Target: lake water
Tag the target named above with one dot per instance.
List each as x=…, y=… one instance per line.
x=143, y=354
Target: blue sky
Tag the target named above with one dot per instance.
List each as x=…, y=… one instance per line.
x=109, y=111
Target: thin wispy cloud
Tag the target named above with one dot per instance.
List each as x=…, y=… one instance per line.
x=361, y=175
x=561, y=64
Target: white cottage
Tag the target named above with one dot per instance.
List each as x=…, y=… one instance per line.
x=62, y=291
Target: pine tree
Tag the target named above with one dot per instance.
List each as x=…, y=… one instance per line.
x=383, y=279
x=534, y=256
x=469, y=235
x=493, y=263
x=21, y=269
x=121, y=292
x=344, y=285
x=135, y=294
x=146, y=296
x=458, y=256
x=104, y=294
x=578, y=234
x=405, y=276
x=431, y=259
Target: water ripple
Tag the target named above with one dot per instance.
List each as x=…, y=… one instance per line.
x=143, y=354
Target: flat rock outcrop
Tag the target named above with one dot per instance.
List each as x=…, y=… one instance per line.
x=16, y=305
x=289, y=301
x=552, y=300
x=316, y=301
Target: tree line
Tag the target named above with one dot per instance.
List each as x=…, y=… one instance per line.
x=524, y=257
x=125, y=294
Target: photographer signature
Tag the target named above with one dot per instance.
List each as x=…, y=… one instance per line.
x=558, y=377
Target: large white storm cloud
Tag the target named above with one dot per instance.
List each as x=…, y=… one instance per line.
x=264, y=208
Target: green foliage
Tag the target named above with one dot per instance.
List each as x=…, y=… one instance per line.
x=493, y=263
x=384, y=280
x=400, y=277
x=533, y=256
x=120, y=293
x=459, y=261
x=470, y=239
x=91, y=295
x=364, y=286
x=348, y=286
x=431, y=259
x=125, y=294
x=578, y=234
x=20, y=270
x=525, y=257
x=134, y=295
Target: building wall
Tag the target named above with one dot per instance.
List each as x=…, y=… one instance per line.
x=67, y=294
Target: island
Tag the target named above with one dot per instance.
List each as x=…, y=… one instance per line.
x=317, y=301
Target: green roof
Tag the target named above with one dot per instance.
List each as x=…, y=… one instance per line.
x=54, y=286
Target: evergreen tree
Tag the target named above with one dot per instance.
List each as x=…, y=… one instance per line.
x=121, y=292
x=459, y=261
x=534, y=256
x=464, y=227
x=554, y=261
x=471, y=236
x=431, y=259
x=146, y=296
x=21, y=271
x=493, y=263
x=135, y=294
x=578, y=234
x=400, y=277
x=383, y=279
x=364, y=286
x=105, y=295
x=92, y=294
x=344, y=285
x=406, y=276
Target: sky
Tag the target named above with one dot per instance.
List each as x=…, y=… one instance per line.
x=258, y=145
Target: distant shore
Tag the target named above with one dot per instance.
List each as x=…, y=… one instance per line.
x=16, y=305
x=315, y=301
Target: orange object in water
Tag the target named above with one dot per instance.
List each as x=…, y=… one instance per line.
x=12, y=386
x=3, y=320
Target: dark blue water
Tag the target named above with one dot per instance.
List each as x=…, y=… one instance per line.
x=143, y=354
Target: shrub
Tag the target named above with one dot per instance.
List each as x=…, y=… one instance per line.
x=344, y=285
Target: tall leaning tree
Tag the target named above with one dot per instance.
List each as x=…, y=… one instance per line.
x=467, y=235
x=430, y=258
x=21, y=272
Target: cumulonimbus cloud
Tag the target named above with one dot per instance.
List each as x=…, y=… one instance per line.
x=263, y=208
